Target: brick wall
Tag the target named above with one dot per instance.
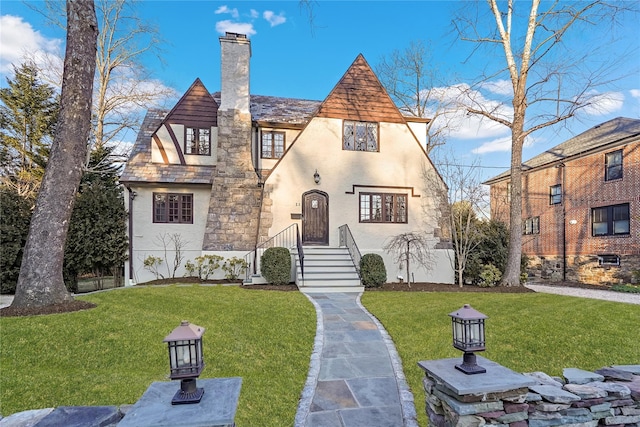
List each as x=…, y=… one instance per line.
x=584, y=189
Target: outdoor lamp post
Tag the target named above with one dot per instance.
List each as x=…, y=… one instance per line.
x=468, y=336
x=185, y=360
x=316, y=177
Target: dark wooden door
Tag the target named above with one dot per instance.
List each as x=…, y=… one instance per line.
x=315, y=218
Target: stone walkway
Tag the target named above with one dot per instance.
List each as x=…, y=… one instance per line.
x=355, y=377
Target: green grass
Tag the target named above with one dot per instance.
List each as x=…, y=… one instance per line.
x=525, y=332
x=111, y=354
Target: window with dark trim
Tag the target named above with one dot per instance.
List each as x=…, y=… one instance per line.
x=383, y=207
x=360, y=136
x=176, y=208
x=531, y=225
x=555, y=194
x=197, y=141
x=272, y=145
x=610, y=220
x=609, y=259
x=613, y=165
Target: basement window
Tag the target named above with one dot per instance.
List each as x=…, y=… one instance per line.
x=608, y=260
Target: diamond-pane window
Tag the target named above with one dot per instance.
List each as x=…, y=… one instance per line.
x=360, y=136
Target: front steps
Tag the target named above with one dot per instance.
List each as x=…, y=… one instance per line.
x=327, y=270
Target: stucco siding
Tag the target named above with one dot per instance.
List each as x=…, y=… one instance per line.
x=396, y=168
x=146, y=238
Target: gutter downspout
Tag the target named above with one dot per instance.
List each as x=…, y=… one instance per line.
x=564, y=226
x=132, y=195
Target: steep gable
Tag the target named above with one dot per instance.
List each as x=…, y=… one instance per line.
x=359, y=95
x=196, y=108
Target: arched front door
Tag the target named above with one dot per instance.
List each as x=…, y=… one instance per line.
x=315, y=218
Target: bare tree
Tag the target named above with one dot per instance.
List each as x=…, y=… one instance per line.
x=548, y=83
x=460, y=203
x=412, y=80
x=123, y=87
x=410, y=246
x=40, y=282
x=172, y=241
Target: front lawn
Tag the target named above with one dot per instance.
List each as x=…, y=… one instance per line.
x=525, y=332
x=110, y=355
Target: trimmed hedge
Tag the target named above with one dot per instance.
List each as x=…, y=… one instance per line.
x=372, y=271
x=275, y=266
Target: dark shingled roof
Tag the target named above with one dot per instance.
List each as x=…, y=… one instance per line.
x=270, y=109
x=599, y=137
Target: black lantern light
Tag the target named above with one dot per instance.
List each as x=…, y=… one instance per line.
x=186, y=362
x=468, y=336
x=316, y=177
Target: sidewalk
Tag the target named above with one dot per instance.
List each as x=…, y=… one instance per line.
x=355, y=378
x=587, y=293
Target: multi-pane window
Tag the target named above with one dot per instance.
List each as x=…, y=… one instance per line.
x=197, y=141
x=360, y=136
x=383, y=207
x=173, y=208
x=613, y=165
x=610, y=220
x=531, y=225
x=555, y=194
x=272, y=145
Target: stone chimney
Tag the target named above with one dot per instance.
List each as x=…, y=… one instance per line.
x=235, y=50
x=234, y=206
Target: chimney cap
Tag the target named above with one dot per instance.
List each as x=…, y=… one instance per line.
x=229, y=35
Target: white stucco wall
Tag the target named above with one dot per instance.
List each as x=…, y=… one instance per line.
x=146, y=233
x=172, y=153
x=399, y=163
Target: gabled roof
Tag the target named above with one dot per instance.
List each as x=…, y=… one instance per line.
x=196, y=107
x=359, y=95
x=140, y=169
x=599, y=138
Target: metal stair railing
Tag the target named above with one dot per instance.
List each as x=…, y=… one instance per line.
x=287, y=238
x=347, y=240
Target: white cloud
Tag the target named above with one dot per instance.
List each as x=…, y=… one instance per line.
x=499, y=87
x=274, y=19
x=502, y=144
x=235, y=27
x=254, y=13
x=19, y=40
x=601, y=104
x=635, y=93
x=225, y=9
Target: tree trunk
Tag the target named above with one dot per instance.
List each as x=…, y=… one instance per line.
x=511, y=276
x=40, y=282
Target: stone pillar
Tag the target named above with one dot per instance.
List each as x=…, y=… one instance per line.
x=234, y=206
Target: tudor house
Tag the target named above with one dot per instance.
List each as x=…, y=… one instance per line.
x=580, y=206
x=229, y=170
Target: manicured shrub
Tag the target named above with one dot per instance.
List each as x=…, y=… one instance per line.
x=490, y=275
x=204, y=266
x=14, y=227
x=372, y=270
x=275, y=266
x=234, y=267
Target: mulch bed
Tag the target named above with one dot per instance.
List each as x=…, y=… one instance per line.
x=77, y=305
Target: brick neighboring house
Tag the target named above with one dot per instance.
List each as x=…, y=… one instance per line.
x=580, y=206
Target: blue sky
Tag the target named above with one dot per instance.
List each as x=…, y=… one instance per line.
x=292, y=58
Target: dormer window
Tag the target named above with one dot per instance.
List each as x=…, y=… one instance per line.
x=360, y=136
x=197, y=141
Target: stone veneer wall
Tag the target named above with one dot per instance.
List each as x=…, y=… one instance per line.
x=583, y=268
x=609, y=397
x=234, y=207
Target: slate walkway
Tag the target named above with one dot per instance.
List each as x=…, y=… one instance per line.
x=355, y=377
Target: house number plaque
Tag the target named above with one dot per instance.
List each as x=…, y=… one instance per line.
x=314, y=204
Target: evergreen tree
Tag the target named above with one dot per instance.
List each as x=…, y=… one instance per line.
x=14, y=226
x=28, y=115
x=97, y=241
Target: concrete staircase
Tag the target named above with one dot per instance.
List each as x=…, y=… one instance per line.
x=327, y=270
